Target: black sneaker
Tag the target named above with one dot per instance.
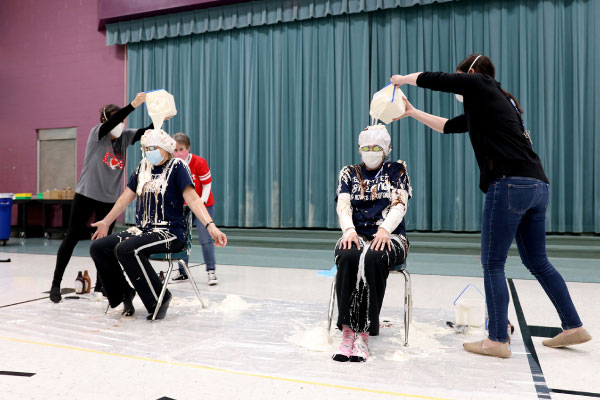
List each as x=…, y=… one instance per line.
x=55, y=294
x=178, y=276
x=128, y=309
x=162, y=311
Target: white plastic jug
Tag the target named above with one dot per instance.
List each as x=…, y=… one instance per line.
x=387, y=104
x=470, y=307
x=160, y=105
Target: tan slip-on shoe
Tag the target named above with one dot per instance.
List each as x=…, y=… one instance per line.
x=560, y=340
x=501, y=350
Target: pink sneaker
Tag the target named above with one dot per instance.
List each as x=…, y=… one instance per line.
x=345, y=349
x=360, y=348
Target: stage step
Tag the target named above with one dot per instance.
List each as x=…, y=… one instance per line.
x=566, y=246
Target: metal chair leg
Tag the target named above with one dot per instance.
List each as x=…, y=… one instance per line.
x=107, y=307
x=407, y=304
x=331, y=304
x=164, y=287
x=192, y=281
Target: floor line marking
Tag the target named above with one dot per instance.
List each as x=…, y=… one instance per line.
x=23, y=302
x=541, y=387
x=214, y=369
x=575, y=392
x=15, y=373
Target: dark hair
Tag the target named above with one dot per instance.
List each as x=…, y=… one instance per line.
x=484, y=66
x=107, y=111
x=182, y=138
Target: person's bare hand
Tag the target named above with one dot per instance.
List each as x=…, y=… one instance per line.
x=409, y=109
x=139, y=99
x=219, y=237
x=398, y=80
x=101, y=229
x=348, y=239
x=381, y=240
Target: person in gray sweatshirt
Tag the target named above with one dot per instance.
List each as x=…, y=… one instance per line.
x=99, y=184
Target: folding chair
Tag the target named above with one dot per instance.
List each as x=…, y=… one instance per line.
x=407, y=300
x=169, y=257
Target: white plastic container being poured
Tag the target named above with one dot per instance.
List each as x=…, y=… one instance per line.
x=470, y=307
x=160, y=105
x=387, y=104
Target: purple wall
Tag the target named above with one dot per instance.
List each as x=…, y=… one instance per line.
x=55, y=71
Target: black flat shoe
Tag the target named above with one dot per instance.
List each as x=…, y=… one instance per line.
x=340, y=358
x=357, y=359
x=128, y=309
x=55, y=294
x=162, y=311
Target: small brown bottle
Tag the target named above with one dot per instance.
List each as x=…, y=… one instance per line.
x=88, y=282
x=79, y=284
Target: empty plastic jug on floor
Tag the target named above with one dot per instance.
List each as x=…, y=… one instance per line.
x=469, y=307
x=160, y=105
x=387, y=104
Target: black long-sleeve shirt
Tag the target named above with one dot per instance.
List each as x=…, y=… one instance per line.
x=116, y=119
x=494, y=125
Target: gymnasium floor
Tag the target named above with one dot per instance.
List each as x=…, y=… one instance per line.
x=263, y=334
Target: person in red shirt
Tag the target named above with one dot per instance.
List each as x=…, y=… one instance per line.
x=202, y=182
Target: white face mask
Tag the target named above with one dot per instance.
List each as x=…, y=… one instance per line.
x=117, y=130
x=372, y=159
x=154, y=157
x=459, y=97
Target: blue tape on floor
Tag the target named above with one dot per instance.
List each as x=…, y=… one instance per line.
x=328, y=272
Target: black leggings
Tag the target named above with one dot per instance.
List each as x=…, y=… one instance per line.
x=359, y=307
x=81, y=211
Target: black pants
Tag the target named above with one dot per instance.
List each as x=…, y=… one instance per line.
x=131, y=252
x=81, y=211
x=359, y=307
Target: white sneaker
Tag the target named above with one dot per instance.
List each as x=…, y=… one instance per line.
x=212, y=278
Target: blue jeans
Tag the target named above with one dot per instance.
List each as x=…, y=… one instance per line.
x=208, y=248
x=515, y=208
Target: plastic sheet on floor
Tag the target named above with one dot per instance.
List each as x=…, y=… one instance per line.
x=282, y=338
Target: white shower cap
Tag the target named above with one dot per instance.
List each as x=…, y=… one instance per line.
x=375, y=135
x=160, y=138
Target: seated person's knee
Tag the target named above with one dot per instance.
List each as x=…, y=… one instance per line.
x=96, y=248
x=122, y=250
x=375, y=257
x=344, y=255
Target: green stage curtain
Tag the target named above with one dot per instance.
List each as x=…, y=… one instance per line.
x=243, y=15
x=277, y=109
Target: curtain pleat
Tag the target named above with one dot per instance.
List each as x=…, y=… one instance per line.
x=277, y=109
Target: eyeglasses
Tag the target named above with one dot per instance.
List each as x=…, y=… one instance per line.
x=151, y=148
x=374, y=147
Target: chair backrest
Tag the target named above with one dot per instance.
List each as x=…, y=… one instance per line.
x=185, y=252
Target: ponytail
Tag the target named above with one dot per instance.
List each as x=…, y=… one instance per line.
x=511, y=97
x=483, y=65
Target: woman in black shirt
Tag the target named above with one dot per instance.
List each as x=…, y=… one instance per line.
x=512, y=176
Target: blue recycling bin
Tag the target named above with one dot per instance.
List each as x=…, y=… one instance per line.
x=6, y=203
